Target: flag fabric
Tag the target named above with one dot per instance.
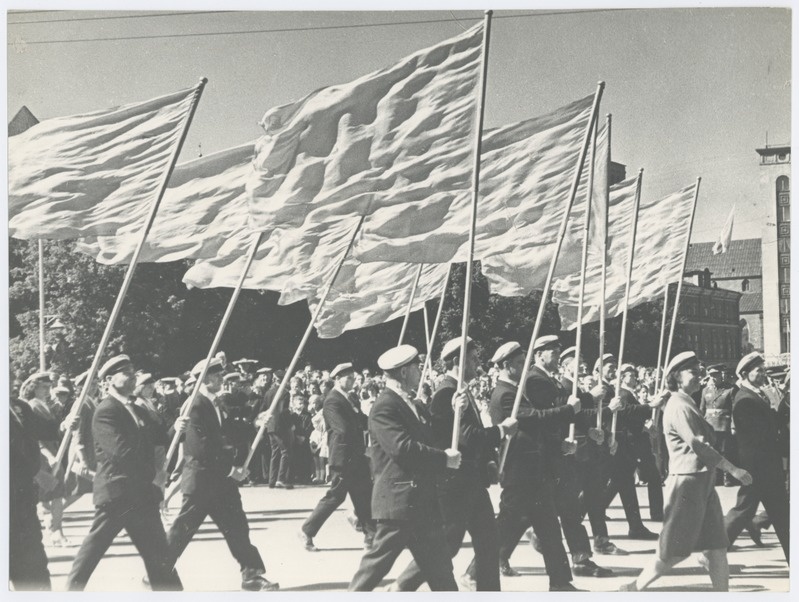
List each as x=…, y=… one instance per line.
x=566, y=289
x=664, y=227
x=600, y=194
x=518, y=262
x=91, y=174
x=366, y=294
x=203, y=206
x=725, y=236
x=385, y=139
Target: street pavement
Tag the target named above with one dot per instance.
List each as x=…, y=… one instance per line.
x=275, y=516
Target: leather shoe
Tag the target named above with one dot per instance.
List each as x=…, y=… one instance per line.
x=642, y=533
x=507, y=570
x=467, y=583
x=609, y=548
x=566, y=587
x=754, y=532
x=307, y=541
x=259, y=584
x=588, y=568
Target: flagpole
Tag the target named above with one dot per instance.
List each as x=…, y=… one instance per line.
x=630, y=263
x=550, y=274
x=679, y=285
x=467, y=287
x=429, y=360
x=427, y=341
x=583, y=266
x=42, y=359
x=659, y=368
x=234, y=297
x=410, y=303
x=602, y=307
x=283, y=383
x=98, y=356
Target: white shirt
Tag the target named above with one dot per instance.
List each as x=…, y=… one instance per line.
x=390, y=384
x=128, y=403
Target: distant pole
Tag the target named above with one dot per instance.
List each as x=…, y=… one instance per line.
x=428, y=364
x=604, y=275
x=410, y=303
x=42, y=359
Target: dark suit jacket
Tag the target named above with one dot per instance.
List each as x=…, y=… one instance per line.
x=26, y=429
x=345, y=434
x=476, y=443
x=757, y=432
x=405, y=462
x=546, y=393
x=124, y=453
x=280, y=422
x=206, y=450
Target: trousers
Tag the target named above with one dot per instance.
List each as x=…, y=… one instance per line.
x=355, y=481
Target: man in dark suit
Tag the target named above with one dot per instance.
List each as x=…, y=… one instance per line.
x=349, y=466
x=463, y=495
x=406, y=466
x=278, y=426
x=263, y=454
x=210, y=482
x=125, y=495
x=27, y=561
x=757, y=432
x=528, y=489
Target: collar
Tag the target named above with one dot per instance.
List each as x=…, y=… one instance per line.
x=119, y=397
x=626, y=388
x=206, y=393
x=745, y=384
x=397, y=388
x=506, y=379
x=341, y=392
x=551, y=375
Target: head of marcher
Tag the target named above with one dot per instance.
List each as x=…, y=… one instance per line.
x=401, y=365
x=145, y=385
x=547, y=352
x=36, y=386
x=214, y=376
x=263, y=379
x=451, y=356
x=683, y=373
x=344, y=377
x=567, y=362
x=118, y=374
x=605, y=367
x=629, y=376
x=510, y=359
x=752, y=369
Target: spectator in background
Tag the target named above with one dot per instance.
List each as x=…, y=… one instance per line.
x=302, y=461
x=318, y=442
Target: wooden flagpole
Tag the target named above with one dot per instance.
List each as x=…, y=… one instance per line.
x=301, y=347
x=429, y=360
x=583, y=266
x=630, y=263
x=234, y=297
x=550, y=274
x=42, y=358
x=659, y=368
x=602, y=307
x=410, y=303
x=679, y=287
x=467, y=287
x=98, y=356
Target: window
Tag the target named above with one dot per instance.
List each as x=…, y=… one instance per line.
x=784, y=245
x=784, y=213
x=785, y=275
x=783, y=184
x=785, y=306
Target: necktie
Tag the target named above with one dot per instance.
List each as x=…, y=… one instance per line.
x=129, y=408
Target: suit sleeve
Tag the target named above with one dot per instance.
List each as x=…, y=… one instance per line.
x=388, y=430
x=471, y=434
x=683, y=423
x=339, y=429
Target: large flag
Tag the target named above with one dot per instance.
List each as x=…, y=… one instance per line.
x=517, y=263
x=725, y=236
x=664, y=227
x=566, y=289
x=91, y=174
x=203, y=207
x=386, y=139
x=366, y=294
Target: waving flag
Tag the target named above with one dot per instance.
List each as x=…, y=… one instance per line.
x=565, y=290
x=382, y=140
x=725, y=236
x=92, y=174
x=203, y=206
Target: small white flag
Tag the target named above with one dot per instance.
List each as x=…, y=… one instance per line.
x=725, y=236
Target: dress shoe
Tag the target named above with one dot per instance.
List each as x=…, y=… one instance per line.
x=307, y=541
x=754, y=532
x=355, y=523
x=57, y=539
x=467, y=583
x=642, y=533
x=602, y=545
x=282, y=485
x=259, y=584
x=588, y=568
x=566, y=587
x=629, y=587
x=507, y=570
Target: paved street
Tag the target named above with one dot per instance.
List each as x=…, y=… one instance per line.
x=275, y=517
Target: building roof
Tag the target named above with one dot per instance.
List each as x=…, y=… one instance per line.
x=742, y=259
x=751, y=303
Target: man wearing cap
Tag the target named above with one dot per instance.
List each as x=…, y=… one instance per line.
x=528, y=487
x=210, y=482
x=27, y=561
x=125, y=496
x=584, y=474
x=405, y=465
x=84, y=462
x=146, y=399
x=240, y=427
x=622, y=462
x=757, y=432
x=463, y=495
x=716, y=407
x=278, y=427
x=260, y=461
x=349, y=466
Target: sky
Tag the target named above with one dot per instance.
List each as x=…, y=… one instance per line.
x=692, y=91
